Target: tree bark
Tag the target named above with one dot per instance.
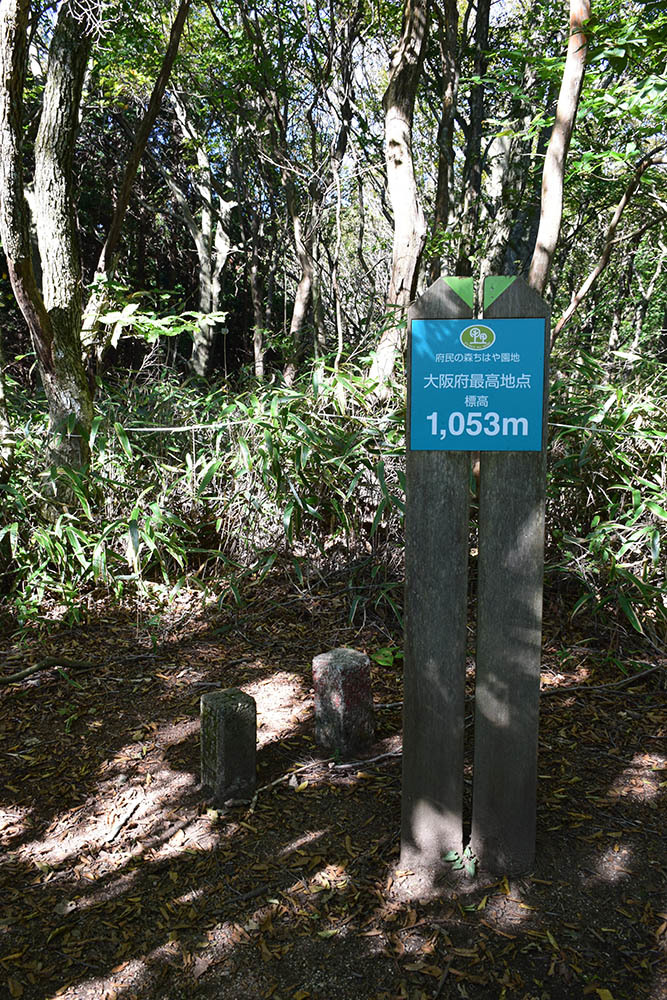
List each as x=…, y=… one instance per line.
x=53, y=320
x=304, y=288
x=14, y=226
x=6, y=432
x=65, y=379
x=14, y=216
x=409, y=224
x=551, y=211
x=448, y=36
x=210, y=237
x=644, y=298
x=472, y=168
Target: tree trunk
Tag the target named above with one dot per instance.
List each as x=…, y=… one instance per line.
x=259, y=316
x=661, y=353
x=53, y=321
x=621, y=298
x=507, y=157
x=302, y=296
x=551, y=212
x=643, y=300
x=65, y=379
x=472, y=168
x=448, y=36
x=651, y=159
x=6, y=433
x=409, y=224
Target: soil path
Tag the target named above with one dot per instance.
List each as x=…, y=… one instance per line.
x=118, y=882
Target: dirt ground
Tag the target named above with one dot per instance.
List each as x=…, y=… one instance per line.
x=118, y=880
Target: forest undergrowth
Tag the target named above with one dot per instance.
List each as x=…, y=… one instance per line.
x=204, y=486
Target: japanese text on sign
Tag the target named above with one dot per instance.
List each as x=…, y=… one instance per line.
x=477, y=386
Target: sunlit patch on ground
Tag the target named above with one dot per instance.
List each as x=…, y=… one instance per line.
x=282, y=702
x=12, y=822
x=635, y=782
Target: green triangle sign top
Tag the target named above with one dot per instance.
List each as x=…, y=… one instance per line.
x=494, y=287
x=463, y=287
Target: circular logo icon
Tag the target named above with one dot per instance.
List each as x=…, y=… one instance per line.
x=477, y=337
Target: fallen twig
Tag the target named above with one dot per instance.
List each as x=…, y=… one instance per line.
x=125, y=818
x=281, y=779
x=602, y=687
x=46, y=664
x=443, y=977
x=368, y=760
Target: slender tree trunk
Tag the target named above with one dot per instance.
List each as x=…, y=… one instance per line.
x=621, y=298
x=259, y=316
x=448, y=41
x=661, y=353
x=6, y=432
x=551, y=212
x=211, y=241
x=506, y=166
x=472, y=168
x=319, y=333
x=14, y=225
x=651, y=159
x=304, y=288
x=643, y=300
x=409, y=224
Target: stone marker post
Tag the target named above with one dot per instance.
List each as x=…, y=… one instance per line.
x=228, y=744
x=344, y=718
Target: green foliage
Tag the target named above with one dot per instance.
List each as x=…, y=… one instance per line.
x=466, y=862
x=607, y=487
x=207, y=485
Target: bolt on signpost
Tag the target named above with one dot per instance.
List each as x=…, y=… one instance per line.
x=474, y=385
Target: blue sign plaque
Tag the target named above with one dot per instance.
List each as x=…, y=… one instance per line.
x=477, y=385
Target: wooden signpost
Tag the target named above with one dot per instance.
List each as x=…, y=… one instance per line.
x=482, y=386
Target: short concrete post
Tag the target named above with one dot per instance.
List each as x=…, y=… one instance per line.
x=228, y=744
x=344, y=718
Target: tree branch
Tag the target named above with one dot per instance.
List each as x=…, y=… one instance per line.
x=551, y=211
x=651, y=159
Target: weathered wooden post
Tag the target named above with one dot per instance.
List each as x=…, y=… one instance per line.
x=509, y=616
x=436, y=575
x=474, y=386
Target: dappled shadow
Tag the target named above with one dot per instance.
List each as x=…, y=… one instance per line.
x=298, y=894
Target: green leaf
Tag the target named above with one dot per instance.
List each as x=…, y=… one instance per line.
x=209, y=473
x=123, y=438
x=629, y=613
x=67, y=678
x=94, y=428
x=99, y=561
x=287, y=520
x=133, y=539
x=655, y=546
